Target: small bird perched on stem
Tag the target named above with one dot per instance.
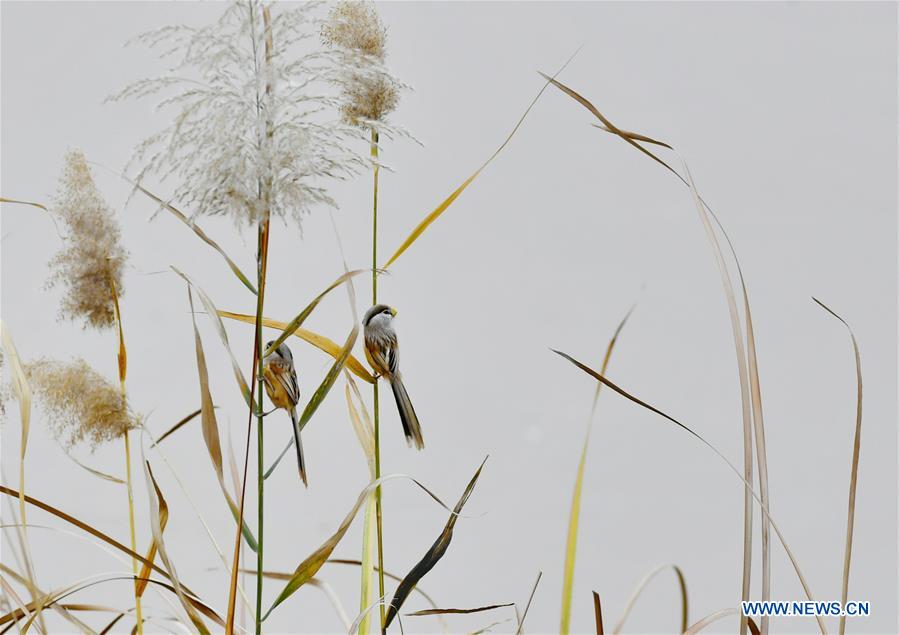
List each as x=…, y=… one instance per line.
x=383, y=353
x=281, y=385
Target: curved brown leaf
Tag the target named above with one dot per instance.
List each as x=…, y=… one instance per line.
x=433, y=555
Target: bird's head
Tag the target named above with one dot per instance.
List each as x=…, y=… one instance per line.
x=379, y=313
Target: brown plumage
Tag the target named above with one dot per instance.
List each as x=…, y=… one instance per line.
x=280, y=379
x=383, y=353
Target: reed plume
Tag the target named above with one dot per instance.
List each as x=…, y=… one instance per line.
x=81, y=404
x=369, y=91
x=93, y=256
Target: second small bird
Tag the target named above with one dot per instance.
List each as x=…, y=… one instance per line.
x=281, y=385
x=383, y=353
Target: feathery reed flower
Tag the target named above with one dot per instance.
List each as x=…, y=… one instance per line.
x=252, y=134
x=82, y=405
x=93, y=257
x=370, y=92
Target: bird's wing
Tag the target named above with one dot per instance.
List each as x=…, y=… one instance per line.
x=288, y=380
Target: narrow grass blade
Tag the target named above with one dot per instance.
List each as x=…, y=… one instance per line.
x=210, y=425
x=297, y=322
x=198, y=231
x=638, y=590
x=159, y=512
x=718, y=453
x=435, y=214
x=433, y=555
x=853, y=475
x=574, y=516
x=223, y=335
x=177, y=426
x=95, y=472
x=329, y=346
x=597, y=613
x=528, y=605
x=321, y=392
x=479, y=609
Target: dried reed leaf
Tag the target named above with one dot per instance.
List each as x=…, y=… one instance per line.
x=433, y=555
x=321, y=392
x=158, y=515
x=638, y=590
x=574, y=516
x=750, y=395
x=11, y=200
x=199, y=232
x=718, y=453
x=177, y=426
x=435, y=214
x=95, y=472
x=853, y=474
x=329, y=346
x=597, y=612
x=297, y=322
x=709, y=619
x=210, y=426
x=629, y=137
x=161, y=518
x=458, y=611
x=223, y=335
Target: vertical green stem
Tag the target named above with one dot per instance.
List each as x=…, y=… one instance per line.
x=374, y=300
x=262, y=264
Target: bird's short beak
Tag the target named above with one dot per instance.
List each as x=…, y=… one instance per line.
x=393, y=312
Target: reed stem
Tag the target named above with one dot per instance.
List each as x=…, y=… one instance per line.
x=122, y=362
x=374, y=301
x=260, y=458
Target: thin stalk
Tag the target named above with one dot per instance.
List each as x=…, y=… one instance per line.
x=260, y=466
x=374, y=301
x=264, y=194
x=122, y=361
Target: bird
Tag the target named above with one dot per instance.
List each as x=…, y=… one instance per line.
x=280, y=379
x=382, y=351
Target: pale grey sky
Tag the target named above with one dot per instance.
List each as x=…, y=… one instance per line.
x=787, y=115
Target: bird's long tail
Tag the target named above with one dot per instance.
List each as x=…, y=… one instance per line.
x=411, y=427
x=298, y=442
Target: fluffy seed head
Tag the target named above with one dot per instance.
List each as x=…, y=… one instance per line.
x=370, y=93
x=81, y=405
x=92, y=257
